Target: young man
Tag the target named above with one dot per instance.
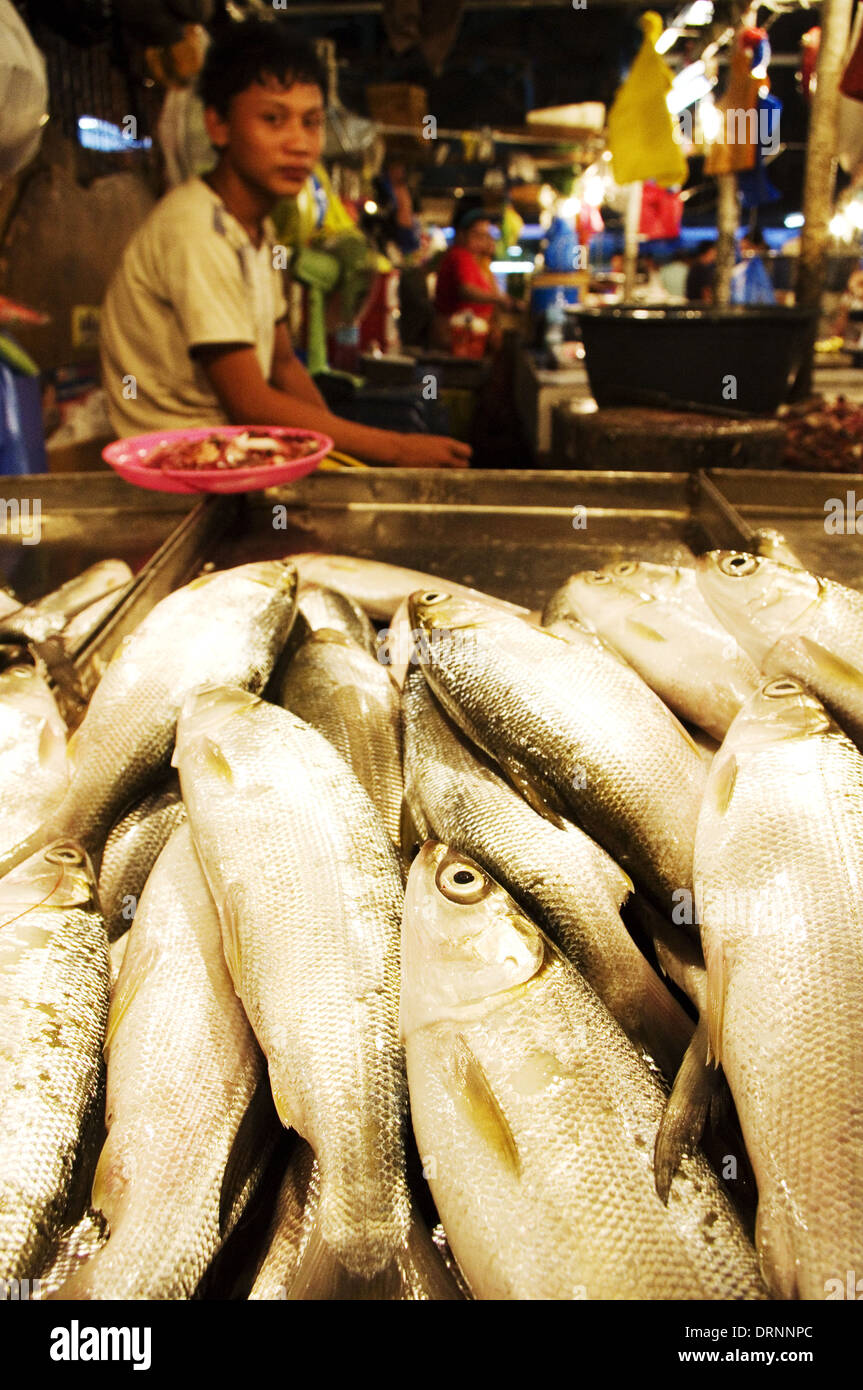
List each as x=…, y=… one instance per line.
x=193, y=325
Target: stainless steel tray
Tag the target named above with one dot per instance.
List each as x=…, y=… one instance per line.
x=515, y=534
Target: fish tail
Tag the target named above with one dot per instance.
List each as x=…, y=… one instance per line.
x=685, y=1115
x=415, y=1272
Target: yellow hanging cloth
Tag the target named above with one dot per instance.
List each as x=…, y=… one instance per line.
x=734, y=147
x=640, y=128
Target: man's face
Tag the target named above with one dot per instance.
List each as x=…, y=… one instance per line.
x=273, y=135
x=478, y=238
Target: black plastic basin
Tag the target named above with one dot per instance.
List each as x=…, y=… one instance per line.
x=736, y=361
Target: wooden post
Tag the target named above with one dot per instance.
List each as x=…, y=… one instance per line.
x=726, y=218
x=632, y=221
x=820, y=174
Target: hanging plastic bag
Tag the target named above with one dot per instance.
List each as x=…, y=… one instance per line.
x=23, y=93
x=751, y=283
x=640, y=127
x=734, y=148
x=661, y=213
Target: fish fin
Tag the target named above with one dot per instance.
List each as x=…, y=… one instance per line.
x=229, y=917
x=831, y=665
x=664, y=1028
x=321, y=1276
x=52, y=744
x=685, y=1114
x=723, y=778
x=216, y=760
x=122, y=997
x=643, y=630
x=416, y=1272
x=252, y=1145
x=539, y=798
x=717, y=984
x=422, y=1271
x=476, y=1093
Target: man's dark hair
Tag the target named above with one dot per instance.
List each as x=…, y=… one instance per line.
x=254, y=51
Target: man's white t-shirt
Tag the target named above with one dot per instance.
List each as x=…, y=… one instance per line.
x=190, y=276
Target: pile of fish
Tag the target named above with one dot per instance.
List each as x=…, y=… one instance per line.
x=482, y=954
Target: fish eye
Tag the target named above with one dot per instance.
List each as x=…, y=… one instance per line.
x=64, y=854
x=461, y=884
x=779, y=689
x=433, y=596
x=624, y=568
x=595, y=577
x=739, y=564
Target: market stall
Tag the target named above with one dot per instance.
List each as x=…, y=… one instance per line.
x=431, y=740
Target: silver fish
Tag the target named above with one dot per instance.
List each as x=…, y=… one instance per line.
x=53, y=1004
x=34, y=769
x=47, y=617
x=186, y=1096
x=778, y=869
x=793, y=623
x=574, y=728
x=327, y=608
x=380, y=588
x=309, y=892
x=535, y=1116
x=560, y=877
x=346, y=695
x=230, y=625
x=656, y=619
x=131, y=850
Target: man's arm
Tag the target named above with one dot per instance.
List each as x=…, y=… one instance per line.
x=247, y=399
x=289, y=374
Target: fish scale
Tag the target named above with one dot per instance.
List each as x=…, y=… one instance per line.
x=575, y=728
x=183, y=1070
x=779, y=886
x=536, y=1117
x=309, y=890
x=54, y=981
x=559, y=875
x=229, y=625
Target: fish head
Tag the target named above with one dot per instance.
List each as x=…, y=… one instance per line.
x=602, y=597
x=464, y=941
x=758, y=599
x=781, y=708
x=59, y=876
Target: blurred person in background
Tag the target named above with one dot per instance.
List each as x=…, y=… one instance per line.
x=464, y=278
x=750, y=278
x=702, y=273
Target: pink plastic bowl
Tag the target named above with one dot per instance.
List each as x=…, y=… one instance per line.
x=128, y=458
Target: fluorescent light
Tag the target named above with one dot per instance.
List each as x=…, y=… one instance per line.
x=513, y=251
x=667, y=39
x=511, y=267
x=699, y=12
x=688, y=86
x=795, y=219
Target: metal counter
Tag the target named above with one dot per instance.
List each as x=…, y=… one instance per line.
x=517, y=535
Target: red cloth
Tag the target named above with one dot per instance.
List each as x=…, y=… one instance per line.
x=459, y=267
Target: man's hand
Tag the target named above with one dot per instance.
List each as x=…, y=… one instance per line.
x=430, y=451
